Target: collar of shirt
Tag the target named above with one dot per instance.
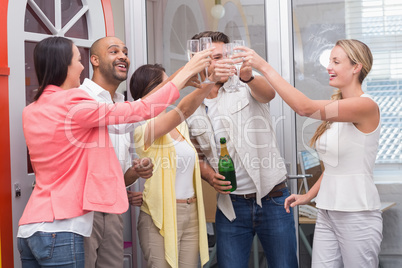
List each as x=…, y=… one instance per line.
x=101, y=93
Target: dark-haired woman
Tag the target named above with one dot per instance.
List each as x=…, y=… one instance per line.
x=171, y=225
x=76, y=168
x=348, y=231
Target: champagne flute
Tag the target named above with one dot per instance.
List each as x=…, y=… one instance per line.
x=237, y=43
x=205, y=43
x=228, y=54
x=193, y=46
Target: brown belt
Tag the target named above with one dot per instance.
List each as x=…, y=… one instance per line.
x=273, y=193
x=188, y=200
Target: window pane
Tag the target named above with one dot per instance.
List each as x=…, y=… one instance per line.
x=31, y=82
x=314, y=36
x=68, y=9
x=170, y=24
x=366, y=20
x=33, y=23
x=48, y=8
x=85, y=61
x=372, y=21
x=79, y=29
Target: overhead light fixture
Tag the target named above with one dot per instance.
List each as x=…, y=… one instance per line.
x=218, y=11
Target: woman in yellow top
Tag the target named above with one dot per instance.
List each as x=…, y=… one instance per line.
x=171, y=225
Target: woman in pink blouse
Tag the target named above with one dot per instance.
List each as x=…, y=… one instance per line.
x=76, y=168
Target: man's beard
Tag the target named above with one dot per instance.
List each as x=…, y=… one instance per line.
x=120, y=78
x=115, y=75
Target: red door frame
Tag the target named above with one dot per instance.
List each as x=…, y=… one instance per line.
x=6, y=223
x=108, y=15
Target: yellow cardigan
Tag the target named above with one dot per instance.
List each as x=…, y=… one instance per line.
x=159, y=199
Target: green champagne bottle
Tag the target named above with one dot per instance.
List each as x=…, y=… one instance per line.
x=226, y=166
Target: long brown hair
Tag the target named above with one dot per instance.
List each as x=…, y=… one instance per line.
x=358, y=53
x=52, y=56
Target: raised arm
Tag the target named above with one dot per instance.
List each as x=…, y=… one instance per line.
x=197, y=63
x=354, y=109
x=89, y=113
x=193, y=81
x=261, y=90
x=164, y=123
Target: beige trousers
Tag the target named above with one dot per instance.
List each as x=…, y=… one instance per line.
x=104, y=248
x=152, y=243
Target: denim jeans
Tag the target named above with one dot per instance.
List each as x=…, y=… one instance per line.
x=58, y=249
x=275, y=229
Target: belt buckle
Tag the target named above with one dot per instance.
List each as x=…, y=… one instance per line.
x=245, y=196
x=188, y=200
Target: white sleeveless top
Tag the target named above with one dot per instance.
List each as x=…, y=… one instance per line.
x=349, y=157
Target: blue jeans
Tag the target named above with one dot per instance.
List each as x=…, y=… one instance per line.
x=58, y=249
x=275, y=229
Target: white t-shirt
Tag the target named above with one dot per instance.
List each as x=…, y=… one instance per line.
x=245, y=184
x=185, y=160
x=81, y=225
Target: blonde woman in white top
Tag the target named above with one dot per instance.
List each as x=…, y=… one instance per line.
x=348, y=231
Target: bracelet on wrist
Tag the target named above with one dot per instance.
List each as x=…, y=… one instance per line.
x=248, y=81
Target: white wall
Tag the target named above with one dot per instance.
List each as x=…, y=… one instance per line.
x=118, y=18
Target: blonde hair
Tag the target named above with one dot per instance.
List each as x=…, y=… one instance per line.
x=358, y=53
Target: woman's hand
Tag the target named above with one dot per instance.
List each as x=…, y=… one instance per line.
x=193, y=82
x=199, y=61
x=246, y=71
x=295, y=200
x=250, y=59
x=223, y=68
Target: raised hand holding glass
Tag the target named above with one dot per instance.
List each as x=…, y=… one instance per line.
x=237, y=43
x=205, y=43
x=228, y=54
x=193, y=46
